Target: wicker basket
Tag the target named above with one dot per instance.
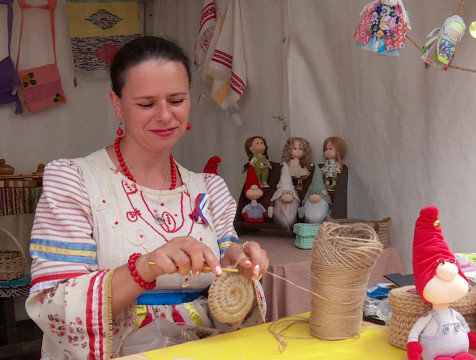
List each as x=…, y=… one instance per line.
x=381, y=227
x=12, y=263
x=407, y=308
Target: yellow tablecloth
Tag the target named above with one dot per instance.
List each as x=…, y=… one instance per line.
x=257, y=343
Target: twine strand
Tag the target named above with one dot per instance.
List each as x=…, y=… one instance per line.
x=460, y=7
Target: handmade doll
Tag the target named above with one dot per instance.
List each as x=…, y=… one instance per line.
x=257, y=151
x=440, y=49
x=297, y=155
x=285, y=201
x=383, y=27
x=253, y=212
x=316, y=203
x=212, y=165
x=334, y=149
x=443, y=333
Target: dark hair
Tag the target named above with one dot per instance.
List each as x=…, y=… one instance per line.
x=144, y=49
x=248, y=144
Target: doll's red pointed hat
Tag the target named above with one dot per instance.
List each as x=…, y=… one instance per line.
x=251, y=178
x=429, y=248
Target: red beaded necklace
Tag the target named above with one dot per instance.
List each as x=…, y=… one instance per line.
x=127, y=172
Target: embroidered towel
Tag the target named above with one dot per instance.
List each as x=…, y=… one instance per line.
x=208, y=21
x=98, y=29
x=227, y=67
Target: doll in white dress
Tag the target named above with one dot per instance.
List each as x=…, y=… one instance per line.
x=297, y=155
x=334, y=149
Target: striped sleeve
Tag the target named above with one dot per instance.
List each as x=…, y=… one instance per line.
x=61, y=244
x=223, y=208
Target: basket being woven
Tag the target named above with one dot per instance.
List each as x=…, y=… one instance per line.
x=231, y=297
x=407, y=308
x=12, y=262
x=381, y=227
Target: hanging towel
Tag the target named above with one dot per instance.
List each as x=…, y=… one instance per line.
x=208, y=21
x=227, y=67
x=98, y=29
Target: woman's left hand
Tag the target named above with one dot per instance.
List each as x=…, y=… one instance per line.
x=252, y=259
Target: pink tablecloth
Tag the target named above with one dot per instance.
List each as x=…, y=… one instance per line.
x=294, y=264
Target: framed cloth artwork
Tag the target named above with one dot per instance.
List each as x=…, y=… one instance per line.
x=98, y=29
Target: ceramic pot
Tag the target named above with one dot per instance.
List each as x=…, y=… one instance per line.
x=5, y=169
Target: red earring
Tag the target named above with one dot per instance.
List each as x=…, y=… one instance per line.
x=119, y=130
x=189, y=126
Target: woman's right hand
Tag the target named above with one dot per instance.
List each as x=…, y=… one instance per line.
x=182, y=255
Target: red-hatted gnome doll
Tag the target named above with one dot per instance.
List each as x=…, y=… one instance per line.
x=212, y=165
x=443, y=334
x=285, y=200
x=253, y=212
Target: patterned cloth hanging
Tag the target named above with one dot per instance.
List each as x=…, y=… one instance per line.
x=220, y=57
x=98, y=29
x=383, y=27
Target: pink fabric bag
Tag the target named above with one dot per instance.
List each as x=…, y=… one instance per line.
x=41, y=85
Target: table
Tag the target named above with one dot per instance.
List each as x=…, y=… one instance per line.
x=258, y=343
x=294, y=264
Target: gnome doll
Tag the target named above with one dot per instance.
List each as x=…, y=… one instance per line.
x=253, y=212
x=285, y=200
x=317, y=201
x=212, y=165
x=443, y=334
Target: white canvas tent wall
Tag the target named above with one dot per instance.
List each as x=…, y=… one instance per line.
x=409, y=130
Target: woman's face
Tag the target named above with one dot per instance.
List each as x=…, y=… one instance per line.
x=297, y=150
x=155, y=104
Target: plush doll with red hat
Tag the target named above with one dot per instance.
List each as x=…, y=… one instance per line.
x=254, y=211
x=443, y=334
x=212, y=165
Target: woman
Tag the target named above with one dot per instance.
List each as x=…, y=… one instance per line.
x=127, y=219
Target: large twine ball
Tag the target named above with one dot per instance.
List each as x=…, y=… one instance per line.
x=343, y=258
x=231, y=297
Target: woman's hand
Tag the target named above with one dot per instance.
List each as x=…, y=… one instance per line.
x=252, y=259
x=182, y=255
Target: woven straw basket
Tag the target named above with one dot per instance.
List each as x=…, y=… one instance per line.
x=407, y=308
x=381, y=227
x=12, y=263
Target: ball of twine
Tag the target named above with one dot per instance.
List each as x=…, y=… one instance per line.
x=231, y=297
x=343, y=258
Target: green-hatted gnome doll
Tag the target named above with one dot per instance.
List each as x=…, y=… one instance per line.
x=316, y=202
x=443, y=334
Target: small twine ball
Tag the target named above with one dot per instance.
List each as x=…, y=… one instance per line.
x=230, y=297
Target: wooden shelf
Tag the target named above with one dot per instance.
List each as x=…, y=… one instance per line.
x=22, y=180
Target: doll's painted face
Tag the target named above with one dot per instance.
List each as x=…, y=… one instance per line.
x=330, y=152
x=257, y=147
x=297, y=150
x=446, y=286
x=254, y=193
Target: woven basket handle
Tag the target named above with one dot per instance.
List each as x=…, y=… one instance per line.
x=14, y=239
x=376, y=226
